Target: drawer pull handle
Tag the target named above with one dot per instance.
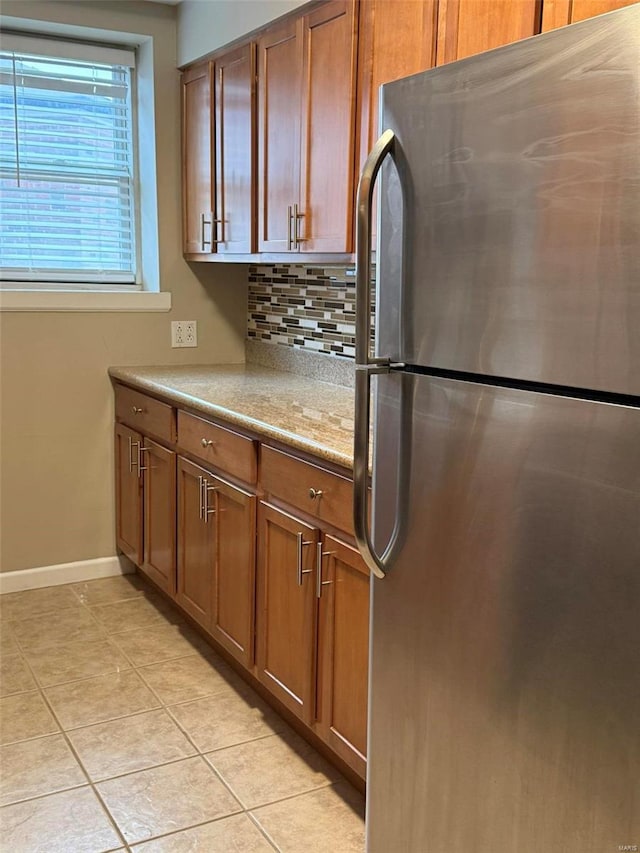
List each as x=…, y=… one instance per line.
x=315, y=493
x=206, y=442
x=136, y=410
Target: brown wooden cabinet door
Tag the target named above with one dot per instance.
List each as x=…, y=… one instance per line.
x=159, y=515
x=196, y=543
x=128, y=493
x=286, y=610
x=558, y=13
x=467, y=27
x=328, y=110
x=280, y=78
x=232, y=622
x=395, y=40
x=197, y=156
x=235, y=134
x=343, y=652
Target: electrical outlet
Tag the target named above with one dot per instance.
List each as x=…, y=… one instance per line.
x=184, y=333
x=191, y=333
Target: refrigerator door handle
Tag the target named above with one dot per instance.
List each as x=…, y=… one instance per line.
x=365, y=363
x=364, y=207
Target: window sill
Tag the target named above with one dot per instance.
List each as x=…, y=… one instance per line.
x=87, y=301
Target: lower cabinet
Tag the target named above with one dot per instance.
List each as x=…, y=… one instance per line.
x=146, y=505
x=128, y=493
x=232, y=617
x=272, y=581
x=159, y=514
x=343, y=652
x=216, y=557
x=286, y=609
x=196, y=543
x=312, y=640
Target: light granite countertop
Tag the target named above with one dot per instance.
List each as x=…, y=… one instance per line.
x=306, y=414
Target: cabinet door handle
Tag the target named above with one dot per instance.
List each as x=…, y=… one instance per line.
x=200, y=502
x=315, y=493
x=206, y=442
x=319, y=582
x=204, y=221
x=141, y=450
x=207, y=509
x=297, y=216
x=133, y=462
x=136, y=410
x=300, y=544
x=214, y=234
x=289, y=223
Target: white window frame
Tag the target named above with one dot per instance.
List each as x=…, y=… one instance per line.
x=84, y=296
x=52, y=49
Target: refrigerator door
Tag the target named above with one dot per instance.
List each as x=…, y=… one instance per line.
x=505, y=659
x=509, y=242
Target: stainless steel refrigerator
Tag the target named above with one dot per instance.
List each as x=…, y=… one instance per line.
x=505, y=397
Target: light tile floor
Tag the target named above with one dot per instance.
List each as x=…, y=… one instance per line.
x=120, y=729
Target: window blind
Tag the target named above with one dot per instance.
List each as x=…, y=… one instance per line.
x=67, y=201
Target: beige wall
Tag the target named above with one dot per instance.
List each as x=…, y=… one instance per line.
x=205, y=25
x=56, y=402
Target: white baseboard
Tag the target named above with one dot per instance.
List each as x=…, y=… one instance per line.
x=83, y=570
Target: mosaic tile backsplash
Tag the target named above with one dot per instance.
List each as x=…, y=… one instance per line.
x=304, y=307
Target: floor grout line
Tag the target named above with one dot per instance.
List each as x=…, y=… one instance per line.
x=247, y=808
x=9, y=619
x=291, y=797
x=127, y=668
x=26, y=652
x=207, y=756
x=241, y=743
x=187, y=828
x=109, y=719
x=144, y=769
x=29, y=739
x=223, y=781
x=81, y=765
x=139, y=594
x=42, y=796
x=262, y=830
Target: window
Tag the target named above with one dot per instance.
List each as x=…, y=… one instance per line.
x=67, y=183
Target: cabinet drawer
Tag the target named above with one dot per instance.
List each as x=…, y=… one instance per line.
x=218, y=446
x=145, y=414
x=292, y=480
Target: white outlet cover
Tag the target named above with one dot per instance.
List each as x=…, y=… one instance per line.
x=184, y=333
x=191, y=333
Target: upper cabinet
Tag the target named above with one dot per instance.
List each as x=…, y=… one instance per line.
x=395, y=40
x=280, y=99
x=234, y=225
x=306, y=69
x=276, y=130
x=558, y=13
x=466, y=27
x=218, y=155
x=328, y=109
x=197, y=160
